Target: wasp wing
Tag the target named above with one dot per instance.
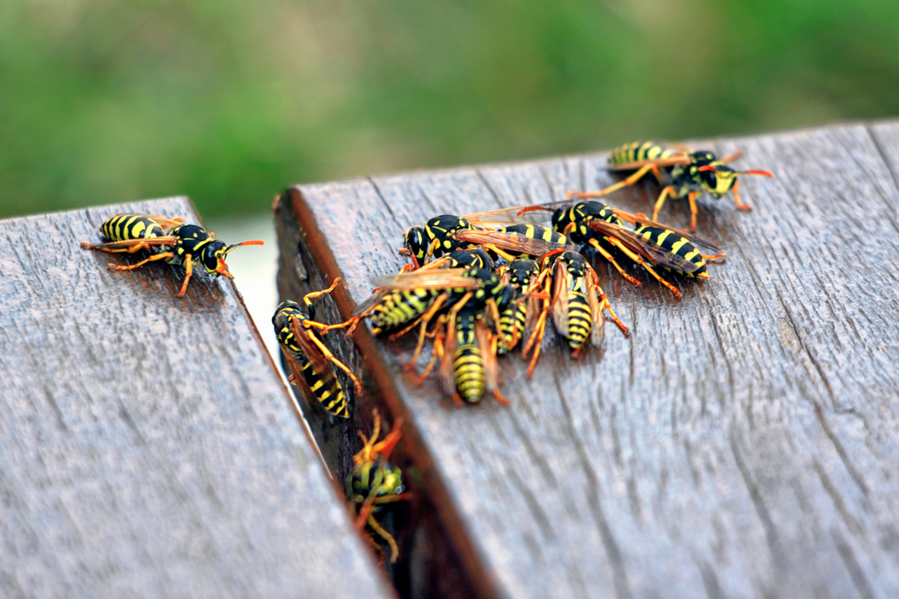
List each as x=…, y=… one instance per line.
x=640, y=219
x=649, y=250
x=561, y=286
x=677, y=160
x=447, y=278
x=510, y=241
x=164, y=221
x=310, y=350
x=597, y=331
x=488, y=355
x=130, y=243
x=446, y=371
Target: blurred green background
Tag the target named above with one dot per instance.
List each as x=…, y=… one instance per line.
x=229, y=102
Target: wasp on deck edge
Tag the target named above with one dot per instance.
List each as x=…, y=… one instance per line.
x=307, y=357
x=688, y=173
x=374, y=482
x=179, y=244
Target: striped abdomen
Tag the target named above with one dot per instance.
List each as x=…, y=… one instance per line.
x=639, y=151
x=321, y=380
x=326, y=388
x=400, y=307
x=512, y=321
x=125, y=227
x=468, y=365
x=580, y=319
x=683, y=255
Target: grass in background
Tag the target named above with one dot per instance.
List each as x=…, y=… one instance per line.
x=229, y=102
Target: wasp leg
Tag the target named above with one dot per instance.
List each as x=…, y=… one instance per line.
x=188, y=270
x=425, y=318
x=327, y=353
x=498, y=395
x=535, y=341
x=499, y=252
x=438, y=351
x=311, y=296
x=420, y=345
x=626, y=183
x=661, y=201
x=639, y=260
x=732, y=157
x=152, y=258
x=715, y=258
x=691, y=198
x=604, y=303
x=391, y=542
x=740, y=205
x=602, y=251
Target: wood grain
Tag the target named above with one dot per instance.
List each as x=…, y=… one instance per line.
x=742, y=442
x=147, y=446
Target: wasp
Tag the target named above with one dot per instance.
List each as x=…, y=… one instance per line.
x=687, y=173
x=177, y=244
x=521, y=274
x=672, y=250
x=307, y=357
x=651, y=244
x=434, y=239
x=404, y=300
x=577, y=305
x=374, y=482
x=447, y=233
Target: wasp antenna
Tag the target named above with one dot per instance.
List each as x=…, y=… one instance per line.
x=762, y=173
x=237, y=245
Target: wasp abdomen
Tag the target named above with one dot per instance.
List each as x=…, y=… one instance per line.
x=124, y=227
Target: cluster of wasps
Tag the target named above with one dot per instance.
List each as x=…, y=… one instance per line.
x=481, y=285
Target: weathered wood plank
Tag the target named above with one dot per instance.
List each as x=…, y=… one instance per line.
x=742, y=441
x=147, y=446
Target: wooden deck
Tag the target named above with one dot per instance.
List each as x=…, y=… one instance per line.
x=743, y=442
x=147, y=446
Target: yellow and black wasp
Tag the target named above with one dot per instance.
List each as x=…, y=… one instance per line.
x=447, y=233
x=467, y=351
x=660, y=245
x=307, y=357
x=687, y=173
x=375, y=482
x=519, y=315
x=651, y=244
x=173, y=241
x=577, y=303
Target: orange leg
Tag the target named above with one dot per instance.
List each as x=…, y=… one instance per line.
x=501, y=398
x=661, y=201
x=602, y=251
x=604, y=303
x=327, y=353
x=627, y=182
x=152, y=258
x=188, y=270
x=639, y=260
x=740, y=205
x=425, y=318
x=691, y=197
